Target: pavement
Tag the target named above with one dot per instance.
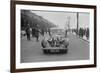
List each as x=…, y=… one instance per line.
x=84, y=38
x=31, y=51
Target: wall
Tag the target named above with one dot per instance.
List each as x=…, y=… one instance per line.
x=5, y=36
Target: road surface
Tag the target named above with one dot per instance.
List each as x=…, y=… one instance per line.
x=31, y=51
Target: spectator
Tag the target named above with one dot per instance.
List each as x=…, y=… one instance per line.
x=81, y=32
x=66, y=33
x=49, y=32
x=42, y=33
x=28, y=32
x=87, y=33
x=37, y=32
x=33, y=31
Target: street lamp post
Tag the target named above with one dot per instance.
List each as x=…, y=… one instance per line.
x=77, y=23
x=68, y=24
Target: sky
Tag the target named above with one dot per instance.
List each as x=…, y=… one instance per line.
x=61, y=18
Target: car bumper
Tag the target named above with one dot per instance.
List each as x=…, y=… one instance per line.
x=55, y=50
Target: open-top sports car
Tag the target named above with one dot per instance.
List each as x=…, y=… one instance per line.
x=55, y=44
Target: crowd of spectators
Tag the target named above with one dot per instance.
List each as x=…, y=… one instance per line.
x=81, y=32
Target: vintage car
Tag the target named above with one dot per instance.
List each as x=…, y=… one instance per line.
x=55, y=44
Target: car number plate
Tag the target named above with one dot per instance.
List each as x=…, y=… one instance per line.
x=56, y=50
